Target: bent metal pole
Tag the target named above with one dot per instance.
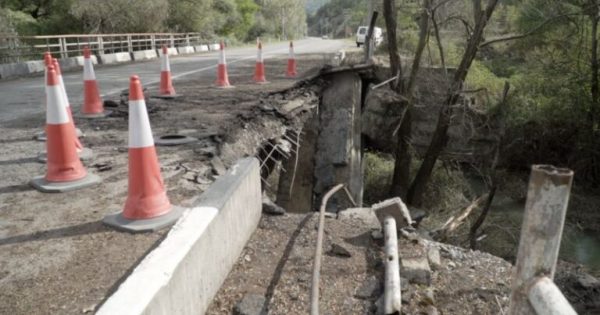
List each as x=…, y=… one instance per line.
x=314, y=295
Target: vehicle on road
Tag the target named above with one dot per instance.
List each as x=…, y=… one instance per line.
x=361, y=35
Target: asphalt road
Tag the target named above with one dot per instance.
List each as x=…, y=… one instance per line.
x=25, y=96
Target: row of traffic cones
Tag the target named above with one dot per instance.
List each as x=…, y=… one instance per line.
x=147, y=207
x=259, y=72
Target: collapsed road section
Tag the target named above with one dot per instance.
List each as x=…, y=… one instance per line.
x=58, y=256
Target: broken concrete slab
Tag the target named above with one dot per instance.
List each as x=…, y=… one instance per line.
x=416, y=270
x=433, y=255
x=365, y=215
x=395, y=208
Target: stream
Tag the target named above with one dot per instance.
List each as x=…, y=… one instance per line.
x=577, y=245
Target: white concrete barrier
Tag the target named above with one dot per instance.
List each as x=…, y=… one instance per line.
x=183, y=274
x=201, y=48
x=171, y=50
x=214, y=46
x=11, y=70
x=115, y=58
x=145, y=54
x=74, y=62
x=185, y=50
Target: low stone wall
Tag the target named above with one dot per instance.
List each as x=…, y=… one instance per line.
x=183, y=274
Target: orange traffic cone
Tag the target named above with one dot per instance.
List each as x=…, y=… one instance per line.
x=65, y=171
x=92, y=103
x=66, y=100
x=166, y=85
x=147, y=207
x=259, y=72
x=222, y=78
x=41, y=136
x=291, y=67
x=83, y=153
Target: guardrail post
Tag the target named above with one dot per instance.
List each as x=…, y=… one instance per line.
x=187, y=39
x=129, y=44
x=172, y=39
x=63, y=47
x=153, y=41
x=544, y=217
x=100, y=45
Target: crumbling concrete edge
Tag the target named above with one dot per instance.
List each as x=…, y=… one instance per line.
x=183, y=274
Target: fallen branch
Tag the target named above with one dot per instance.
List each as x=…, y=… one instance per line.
x=455, y=222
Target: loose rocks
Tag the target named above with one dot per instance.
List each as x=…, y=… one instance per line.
x=251, y=304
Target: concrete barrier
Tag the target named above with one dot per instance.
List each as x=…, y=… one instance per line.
x=183, y=274
x=11, y=70
x=201, y=48
x=171, y=50
x=115, y=58
x=185, y=50
x=74, y=62
x=145, y=54
x=214, y=46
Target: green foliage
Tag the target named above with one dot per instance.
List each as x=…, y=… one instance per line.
x=17, y=22
x=480, y=77
x=379, y=169
x=339, y=18
x=446, y=190
x=234, y=19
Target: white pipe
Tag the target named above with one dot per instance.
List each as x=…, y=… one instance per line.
x=392, y=298
x=546, y=298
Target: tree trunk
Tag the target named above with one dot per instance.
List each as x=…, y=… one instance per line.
x=594, y=66
x=389, y=14
x=440, y=135
x=401, y=179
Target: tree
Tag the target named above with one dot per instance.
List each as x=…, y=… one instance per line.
x=405, y=87
x=440, y=136
x=122, y=16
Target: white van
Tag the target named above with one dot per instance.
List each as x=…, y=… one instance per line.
x=361, y=35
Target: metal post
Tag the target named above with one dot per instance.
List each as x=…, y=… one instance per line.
x=544, y=217
x=129, y=44
x=100, y=45
x=314, y=293
x=153, y=41
x=63, y=47
x=187, y=39
x=546, y=298
x=369, y=40
x=172, y=39
x=392, y=298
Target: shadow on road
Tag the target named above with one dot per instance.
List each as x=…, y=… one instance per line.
x=68, y=231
